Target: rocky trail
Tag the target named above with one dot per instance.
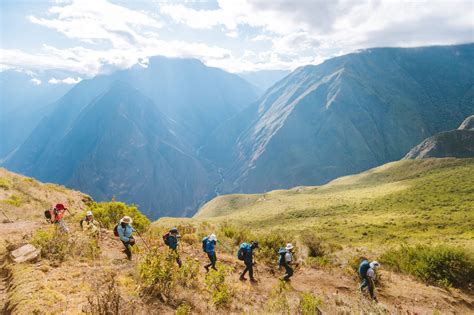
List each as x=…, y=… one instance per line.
x=335, y=286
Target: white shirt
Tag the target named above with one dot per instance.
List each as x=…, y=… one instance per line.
x=371, y=273
x=288, y=257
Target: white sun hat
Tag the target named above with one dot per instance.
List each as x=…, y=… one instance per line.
x=289, y=246
x=374, y=264
x=213, y=237
x=88, y=213
x=126, y=219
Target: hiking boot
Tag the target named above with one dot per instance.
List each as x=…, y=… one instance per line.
x=253, y=280
x=242, y=278
x=207, y=269
x=214, y=268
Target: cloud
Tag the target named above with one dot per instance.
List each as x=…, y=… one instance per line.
x=36, y=81
x=68, y=80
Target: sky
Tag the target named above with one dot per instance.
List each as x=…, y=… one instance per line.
x=89, y=37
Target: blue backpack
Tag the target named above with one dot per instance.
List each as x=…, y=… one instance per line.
x=244, y=248
x=281, y=256
x=204, y=243
x=363, y=268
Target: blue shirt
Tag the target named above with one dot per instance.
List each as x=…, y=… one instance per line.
x=125, y=233
x=210, y=246
x=172, y=242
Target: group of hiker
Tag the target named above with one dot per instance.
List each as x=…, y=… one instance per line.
x=124, y=231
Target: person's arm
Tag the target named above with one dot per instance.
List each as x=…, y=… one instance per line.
x=121, y=234
x=371, y=273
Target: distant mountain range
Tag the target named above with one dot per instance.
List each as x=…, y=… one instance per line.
x=454, y=143
x=174, y=134
x=264, y=79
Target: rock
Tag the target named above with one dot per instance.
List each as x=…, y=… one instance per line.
x=25, y=253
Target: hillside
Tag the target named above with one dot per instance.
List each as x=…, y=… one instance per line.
x=344, y=116
x=76, y=274
x=412, y=200
x=457, y=143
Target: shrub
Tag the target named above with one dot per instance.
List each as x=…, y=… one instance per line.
x=14, y=200
x=314, y=244
x=110, y=213
x=58, y=246
x=221, y=293
x=5, y=183
x=441, y=265
x=162, y=276
x=183, y=309
x=236, y=234
x=309, y=304
x=278, y=301
x=269, y=246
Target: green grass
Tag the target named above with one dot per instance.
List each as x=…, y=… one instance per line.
x=422, y=201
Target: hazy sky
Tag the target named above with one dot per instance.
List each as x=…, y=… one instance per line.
x=93, y=36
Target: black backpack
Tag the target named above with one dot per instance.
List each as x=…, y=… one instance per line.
x=47, y=215
x=116, y=231
x=166, y=239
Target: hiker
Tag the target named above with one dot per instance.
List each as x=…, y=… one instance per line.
x=286, y=260
x=56, y=216
x=245, y=254
x=90, y=226
x=367, y=275
x=171, y=239
x=208, y=246
x=125, y=231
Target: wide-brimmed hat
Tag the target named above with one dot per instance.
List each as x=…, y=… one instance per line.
x=60, y=206
x=126, y=219
x=174, y=230
x=88, y=213
x=374, y=264
x=213, y=237
x=289, y=246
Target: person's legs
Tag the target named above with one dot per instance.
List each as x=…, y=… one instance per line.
x=63, y=226
x=364, y=283
x=370, y=284
x=127, y=250
x=213, y=258
x=289, y=273
x=242, y=275
x=250, y=269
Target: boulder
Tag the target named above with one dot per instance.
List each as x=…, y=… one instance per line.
x=25, y=253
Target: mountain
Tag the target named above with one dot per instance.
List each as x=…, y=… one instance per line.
x=25, y=98
x=455, y=143
x=178, y=101
x=344, y=116
x=264, y=79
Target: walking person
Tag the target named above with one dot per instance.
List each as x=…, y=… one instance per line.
x=367, y=274
x=286, y=260
x=245, y=254
x=89, y=225
x=209, y=247
x=171, y=239
x=56, y=214
x=125, y=233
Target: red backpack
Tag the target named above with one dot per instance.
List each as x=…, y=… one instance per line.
x=166, y=238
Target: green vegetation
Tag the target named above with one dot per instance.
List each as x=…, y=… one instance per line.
x=110, y=213
x=309, y=304
x=440, y=265
x=161, y=275
x=278, y=300
x=5, y=183
x=221, y=293
x=14, y=200
x=57, y=246
x=412, y=200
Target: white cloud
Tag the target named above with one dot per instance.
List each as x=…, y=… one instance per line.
x=36, y=81
x=68, y=80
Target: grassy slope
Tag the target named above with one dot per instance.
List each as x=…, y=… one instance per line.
x=414, y=201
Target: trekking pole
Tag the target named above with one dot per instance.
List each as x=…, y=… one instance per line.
x=6, y=216
x=225, y=247
x=144, y=242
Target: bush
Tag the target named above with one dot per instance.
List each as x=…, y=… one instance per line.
x=110, y=213
x=278, y=300
x=309, y=304
x=58, y=246
x=236, y=234
x=183, y=309
x=221, y=293
x=269, y=246
x=14, y=200
x=5, y=183
x=440, y=265
x=162, y=276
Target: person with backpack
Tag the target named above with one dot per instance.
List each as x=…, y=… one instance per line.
x=56, y=216
x=367, y=274
x=286, y=260
x=245, y=254
x=124, y=230
x=209, y=247
x=89, y=225
x=171, y=240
